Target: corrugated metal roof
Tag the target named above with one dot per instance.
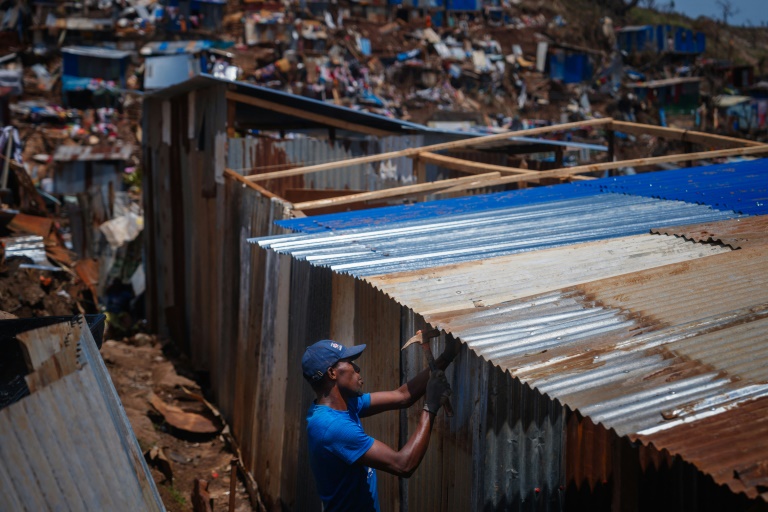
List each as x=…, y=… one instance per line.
x=72, y=153
x=738, y=233
x=475, y=236
x=647, y=354
x=668, y=81
x=175, y=47
x=742, y=186
x=472, y=285
x=294, y=101
x=437, y=209
x=645, y=334
x=97, y=52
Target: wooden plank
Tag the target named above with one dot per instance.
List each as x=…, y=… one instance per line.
x=419, y=170
x=302, y=195
x=231, y=115
x=393, y=192
x=303, y=114
x=571, y=171
x=248, y=183
x=706, y=139
x=432, y=148
x=459, y=164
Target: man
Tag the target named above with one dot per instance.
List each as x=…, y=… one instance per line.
x=342, y=456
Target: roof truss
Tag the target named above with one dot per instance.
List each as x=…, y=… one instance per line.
x=485, y=175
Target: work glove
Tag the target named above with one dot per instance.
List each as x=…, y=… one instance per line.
x=451, y=349
x=437, y=388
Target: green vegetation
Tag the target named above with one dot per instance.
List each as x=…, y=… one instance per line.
x=641, y=16
x=177, y=496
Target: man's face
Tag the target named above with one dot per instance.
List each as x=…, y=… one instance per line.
x=348, y=378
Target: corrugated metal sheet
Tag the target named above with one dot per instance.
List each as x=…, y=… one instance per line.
x=673, y=338
x=270, y=155
x=30, y=246
x=204, y=81
x=436, y=209
x=475, y=236
x=66, y=153
x=737, y=234
x=472, y=285
x=68, y=444
x=741, y=187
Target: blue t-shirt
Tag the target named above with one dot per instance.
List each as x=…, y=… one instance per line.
x=336, y=441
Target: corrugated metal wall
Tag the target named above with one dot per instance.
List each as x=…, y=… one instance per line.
x=267, y=155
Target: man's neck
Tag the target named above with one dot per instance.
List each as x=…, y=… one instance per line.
x=332, y=399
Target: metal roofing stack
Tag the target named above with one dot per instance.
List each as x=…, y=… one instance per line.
x=661, y=338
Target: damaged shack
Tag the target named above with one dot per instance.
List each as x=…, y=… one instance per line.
x=613, y=357
x=224, y=161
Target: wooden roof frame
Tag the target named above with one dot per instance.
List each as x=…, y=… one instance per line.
x=484, y=175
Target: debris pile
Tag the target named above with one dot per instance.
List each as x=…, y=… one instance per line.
x=185, y=443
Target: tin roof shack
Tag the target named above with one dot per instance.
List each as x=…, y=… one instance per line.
x=739, y=77
x=65, y=441
x=660, y=39
x=92, y=174
x=224, y=160
x=676, y=44
x=93, y=77
x=168, y=63
x=569, y=64
x=267, y=28
x=211, y=148
x=759, y=91
x=605, y=367
x=11, y=84
x=193, y=15
x=673, y=95
x=739, y=114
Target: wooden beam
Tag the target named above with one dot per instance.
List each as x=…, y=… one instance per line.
x=705, y=139
x=390, y=193
x=638, y=162
x=459, y=164
x=420, y=170
x=297, y=112
x=415, y=151
x=231, y=115
x=255, y=186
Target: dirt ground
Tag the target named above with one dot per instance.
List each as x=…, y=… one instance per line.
x=139, y=368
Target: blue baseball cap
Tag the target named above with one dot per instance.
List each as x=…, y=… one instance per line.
x=320, y=356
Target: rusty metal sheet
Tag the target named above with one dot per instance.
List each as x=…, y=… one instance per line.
x=72, y=153
x=465, y=286
x=736, y=233
x=643, y=335
x=267, y=155
x=645, y=353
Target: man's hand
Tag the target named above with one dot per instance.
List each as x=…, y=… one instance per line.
x=437, y=387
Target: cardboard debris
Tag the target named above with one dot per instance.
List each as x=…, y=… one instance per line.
x=187, y=421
